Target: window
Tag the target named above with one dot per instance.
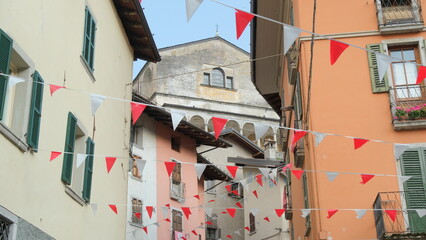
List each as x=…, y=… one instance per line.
x=210, y=186
x=4, y=228
x=399, y=14
x=136, y=172
x=206, y=78
x=212, y=230
x=79, y=178
x=252, y=220
x=136, y=211
x=177, y=187
x=218, y=77
x=229, y=82
x=306, y=203
x=89, y=39
x=236, y=190
x=176, y=222
x=175, y=141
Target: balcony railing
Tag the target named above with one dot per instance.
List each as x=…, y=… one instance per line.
x=399, y=15
x=407, y=225
x=408, y=106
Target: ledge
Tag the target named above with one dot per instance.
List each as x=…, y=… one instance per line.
x=401, y=28
x=409, y=124
x=13, y=138
x=74, y=196
x=86, y=66
x=222, y=88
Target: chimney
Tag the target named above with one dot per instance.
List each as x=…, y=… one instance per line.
x=270, y=152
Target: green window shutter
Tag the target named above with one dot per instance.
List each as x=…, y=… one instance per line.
x=35, y=112
x=88, y=169
x=377, y=85
x=89, y=38
x=306, y=203
x=69, y=149
x=5, y=52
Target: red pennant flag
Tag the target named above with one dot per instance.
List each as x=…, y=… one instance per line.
x=145, y=229
x=247, y=228
x=239, y=205
x=391, y=214
x=194, y=232
x=266, y=219
x=228, y=188
x=288, y=166
x=149, y=209
x=167, y=220
x=218, y=125
x=54, y=155
x=336, y=49
x=209, y=223
x=331, y=212
x=231, y=211
x=167, y=205
x=421, y=75
x=197, y=196
x=255, y=193
x=297, y=173
x=366, y=178
x=137, y=109
x=223, y=212
x=259, y=179
x=110, y=162
x=212, y=201
x=242, y=19
x=297, y=136
x=183, y=238
x=358, y=142
x=232, y=170
x=279, y=212
x=235, y=192
x=113, y=208
x=169, y=167
x=138, y=215
x=229, y=236
x=54, y=88
x=275, y=182
x=186, y=211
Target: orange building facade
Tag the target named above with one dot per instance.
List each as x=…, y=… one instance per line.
x=348, y=99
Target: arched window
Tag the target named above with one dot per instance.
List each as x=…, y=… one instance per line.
x=218, y=78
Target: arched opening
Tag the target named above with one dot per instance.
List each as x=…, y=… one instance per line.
x=248, y=131
x=198, y=121
x=233, y=124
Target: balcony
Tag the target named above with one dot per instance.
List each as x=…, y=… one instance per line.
x=397, y=16
x=408, y=225
x=408, y=106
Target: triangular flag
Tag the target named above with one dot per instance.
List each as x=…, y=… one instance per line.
x=191, y=7
x=141, y=165
x=157, y=224
x=239, y=205
x=167, y=205
x=232, y=170
x=237, y=232
x=149, y=209
x=287, y=166
x=260, y=130
x=169, y=167
x=186, y=211
x=403, y=179
x=165, y=211
x=242, y=20
x=197, y=196
x=255, y=193
x=391, y=214
x=254, y=211
x=54, y=155
x=297, y=136
x=331, y=175
x=177, y=117
x=208, y=211
x=218, y=125
x=167, y=220
x=194, y=232
x=113, y=208
x=319, y=137
x=290, y=35
x=145, y=229
x=421, y=212
x=273, y=173
x=383, y=63
x=54, y=88
x=229, y=236
x=279, y=212
x=228, y=188
x=209, y=223
x=94, y=208
x=12, y=81
x=212, y=201
x=231, y=211
x=399, y=149
x=331, y=212
x=96, y=101
x=358, y=142
x=360, y=213
x=305, y=212
x=265, y=171
x=137, y=109
x=259, y=179
x=421, y=74
x=266, y=219
x=109, y=163
x=247, y=228
x=336, y=49
x=199, y=168
x=80, y=159
x=138, y=215
x=297, y=173
x=366, y=177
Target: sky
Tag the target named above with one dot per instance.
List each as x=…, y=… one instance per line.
x=168, y=24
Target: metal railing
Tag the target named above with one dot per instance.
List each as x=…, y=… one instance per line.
x=396, y=12
x=403, y=224
x=408, y=102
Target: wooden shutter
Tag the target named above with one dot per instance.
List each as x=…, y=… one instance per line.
x=252, y=223
x=69, y=149
x=34, y=120
x=88, y=169
x=413, y=164
x=306, y=203
x=5, y=52
x=89, y=38
x=177, y=173
x=377, y=85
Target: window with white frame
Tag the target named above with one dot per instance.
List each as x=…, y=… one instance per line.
x=210, y=186
x=218, y=77
x=212, y=230
x=177, y=187
x=177, y=227
x=136, y=212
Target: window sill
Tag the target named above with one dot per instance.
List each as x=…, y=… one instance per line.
x=74, y=196
x=13, y=138
x=223, y=88
x=409, y=124
x=86, y=66
x=137, y=225
x=252, y=233
x=401, y=28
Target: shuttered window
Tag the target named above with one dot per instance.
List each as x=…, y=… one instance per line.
x=69, y=149
x=377, y=85
x=252, y=221
x=35, y=112
x=88, y=170
x=5, y=51
x=306, y=203
x=89, y=38
x=176, y=222
x=177, y=173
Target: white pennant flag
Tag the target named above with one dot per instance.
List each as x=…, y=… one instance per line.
x=94, y=208
x=238, y=232
x=208, y=211
x=260, y=130
x=12, y=81
x=305, y=212
x=274, y=173
x=319, y=137
x=199, y=168
x=246, y=187
x=399, y=149
x=265, y=172
x=360, y=213
x=191, y=7
x=96, y=100
x=383, y=63
x=80, y=159
x=290, y=35
x=134, y=234
x=165, y=211
x=156, y=224
x=177, y=116
x=403, y=179
x=140, y=164
x=331, y=176
x=254, y=211
x=421, y=212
